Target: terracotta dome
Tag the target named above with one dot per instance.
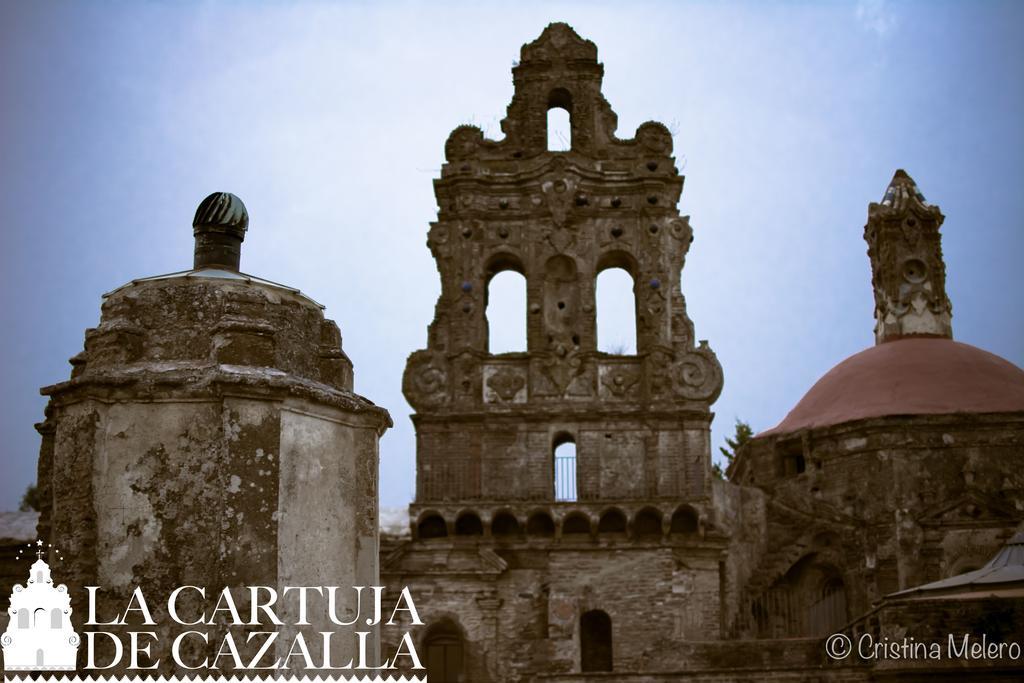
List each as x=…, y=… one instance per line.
x=909, y=376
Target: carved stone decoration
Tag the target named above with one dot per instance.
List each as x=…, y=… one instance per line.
x=908, y=274
x=658, y=368
x=562, y=370
x=653, y=307
x=558, y=196
x=504, y=384
x=437, y=239
x=618, y=381
x=698, y=375
x=654, y=137
x=425, y=382
x=560, y=240
x=681, y=230
x=462, y=143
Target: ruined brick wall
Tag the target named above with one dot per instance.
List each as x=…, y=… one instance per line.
x=909, y=499
x=520, y=612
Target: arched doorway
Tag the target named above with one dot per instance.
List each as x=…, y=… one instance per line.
x=444, y=653
x=828, y=613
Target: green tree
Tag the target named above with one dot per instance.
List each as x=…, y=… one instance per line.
x=30, y=501
x=743, y=435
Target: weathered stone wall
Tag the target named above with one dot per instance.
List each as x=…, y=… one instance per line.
x=889, y=503
x=503, y=458
x=656, y=595
x=209, y=437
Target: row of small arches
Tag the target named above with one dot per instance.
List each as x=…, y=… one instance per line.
x=648, y=523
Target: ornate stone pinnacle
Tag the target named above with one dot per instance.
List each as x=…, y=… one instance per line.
x=908, y=274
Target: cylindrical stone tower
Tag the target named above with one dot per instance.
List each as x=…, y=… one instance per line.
x=209, y=436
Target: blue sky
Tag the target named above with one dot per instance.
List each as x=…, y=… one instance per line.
x=329, y=120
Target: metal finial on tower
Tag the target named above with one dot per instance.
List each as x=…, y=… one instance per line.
x=219, y=228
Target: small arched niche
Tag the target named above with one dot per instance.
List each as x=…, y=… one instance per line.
x=647, y=524
x=505, y=526
x=684, y=521
x=540, y=524
x=468, y=524
x=576, y=523
x=432, y=525
x=612, y=521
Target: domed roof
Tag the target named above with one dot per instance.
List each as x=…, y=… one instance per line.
x=909, y=376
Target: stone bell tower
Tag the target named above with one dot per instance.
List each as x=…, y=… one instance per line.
x=907, y=270
x=509, y=538
x=487, y=423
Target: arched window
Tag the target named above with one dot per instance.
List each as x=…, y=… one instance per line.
x=505, y=524
x=684, y=521
x=23, y=618
x=612, y=522
x=39, y=576
x=565, y=468
x=559, y=130
x=37, y=617
x=55, y=618
x=445, y=655
x=506, y=312
x=540, y=524
x=432, y=526
x=595, y=641
x=39, y=657
x=468, y=524
x=616, y=312
x=576, y=523
x=647, y=524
